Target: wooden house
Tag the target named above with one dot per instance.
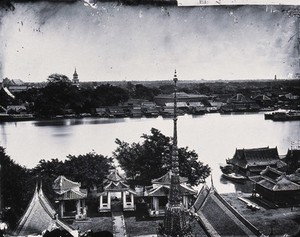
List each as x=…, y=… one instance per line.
x=252, y=161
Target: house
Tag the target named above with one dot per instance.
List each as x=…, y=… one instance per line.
x=39, y=217
x=71, y=198
x=241, y=103
x=274, y=186
x=158, y=193
x=252, y=161
x=162, y=99
x=218, y=218
x=116, y=194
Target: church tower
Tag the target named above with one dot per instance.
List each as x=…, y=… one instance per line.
x=176, y=221
x=75, y=77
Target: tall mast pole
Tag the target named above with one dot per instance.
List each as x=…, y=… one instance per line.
x=176, y=221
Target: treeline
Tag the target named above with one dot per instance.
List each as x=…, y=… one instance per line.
x=60, y=96
x=136, y=159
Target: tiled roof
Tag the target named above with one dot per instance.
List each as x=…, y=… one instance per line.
x=38, y=216
x=255, y=157
x=115, y=176
x=61, y=184
x=166, y=179
x=219, y=218
x=73, y=194
x=163, y=190
x=116, y=186
x=275, y=180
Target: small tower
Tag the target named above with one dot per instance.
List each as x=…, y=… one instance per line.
x=176, y=221
x=75, y=77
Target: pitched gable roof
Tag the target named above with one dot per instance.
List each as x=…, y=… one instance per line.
x=275, y=180
x=166, y=179
x=219, y=218
x=163, y=190
x=61, y=184
x=38, y=215
x=255, y=157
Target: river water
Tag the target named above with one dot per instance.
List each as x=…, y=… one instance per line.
x=213, y=136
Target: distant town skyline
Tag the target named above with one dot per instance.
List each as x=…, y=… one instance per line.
x=111, y=42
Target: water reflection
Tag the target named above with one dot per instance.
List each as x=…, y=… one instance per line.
x=214, y=137
x=75, y=121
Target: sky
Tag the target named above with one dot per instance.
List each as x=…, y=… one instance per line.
x=107, y=42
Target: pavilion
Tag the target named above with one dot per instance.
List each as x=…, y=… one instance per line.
x=159, y=193
x=116, y=194
x=71, y=198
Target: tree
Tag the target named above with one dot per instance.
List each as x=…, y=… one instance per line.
x=17, y=187
x=58, y=96
x=152, y=158
x=89, y=169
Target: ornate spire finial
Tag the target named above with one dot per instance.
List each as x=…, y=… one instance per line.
x=175, y=222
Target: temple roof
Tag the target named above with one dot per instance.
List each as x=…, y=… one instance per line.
x=275, y=180
x=216, y=215
x=67, y=189
x=39, y=216
x=115, y=176
x=166, y=179
x=163, y=190
x=255, y=157
x=61, y=184
x=73, y=194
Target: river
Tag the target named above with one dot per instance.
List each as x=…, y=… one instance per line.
x=213, y=136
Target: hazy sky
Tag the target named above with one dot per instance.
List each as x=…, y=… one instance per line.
x=111, y=42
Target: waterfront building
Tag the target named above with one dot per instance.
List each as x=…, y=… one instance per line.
x=116, y=195
x=162, y=99
x=275, y=187
x=252, y=161
x=218, y=218
x=240, y=103
x=40, y=216
x=71, y=198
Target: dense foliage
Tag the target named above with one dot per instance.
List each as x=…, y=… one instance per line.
x=151, y=159
x=89, y=169
x=18, y=183
x=17, y=186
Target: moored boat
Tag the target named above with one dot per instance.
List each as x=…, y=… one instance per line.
x=235, y=177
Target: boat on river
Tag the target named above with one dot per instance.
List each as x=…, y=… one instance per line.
x=283, y=115
x=228, y=173
x=16, y=117
x=235, y=177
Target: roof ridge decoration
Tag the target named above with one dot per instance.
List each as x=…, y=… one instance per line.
x=37, y=215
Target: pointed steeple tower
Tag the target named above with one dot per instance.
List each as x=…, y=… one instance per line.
x=75, y=77
x=176, y=220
